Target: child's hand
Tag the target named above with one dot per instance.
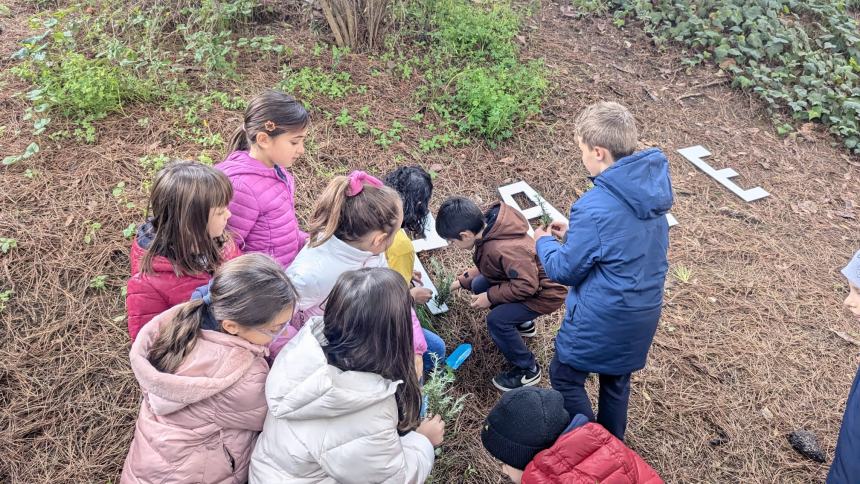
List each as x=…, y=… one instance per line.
x=421, y=294
x=433, y=429
x=416, y=278
x=481, y=301
x=455, y=286
x=542, y=232
x=559, y=228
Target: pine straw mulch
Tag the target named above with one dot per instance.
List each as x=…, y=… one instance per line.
x=744, y=354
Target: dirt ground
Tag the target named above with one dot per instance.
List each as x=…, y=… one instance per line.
x=746, y=351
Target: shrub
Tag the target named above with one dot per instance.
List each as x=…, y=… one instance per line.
x=492, y=100
x=470, y=33
x=82, y=88
x=801, y=57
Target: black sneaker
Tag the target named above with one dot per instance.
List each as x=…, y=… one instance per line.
x=527, y=329
x=515, y=378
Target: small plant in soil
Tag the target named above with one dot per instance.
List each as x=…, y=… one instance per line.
x=98, y=282
x=682, y=273
x=443, y=286
x=5, y=296
x=92, y=228
x=438, y=388
x=545, y=217
x=425, y=317
x=7, y=244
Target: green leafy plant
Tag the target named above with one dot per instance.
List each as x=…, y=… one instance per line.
x=7, y=244
x=129, y=231
x=443, y=283
x=5, y=296
x=682, y=273
x=545, y=217
x=92, y=229
x=425, y=317
x=31, y=150
x=802, y=58
x=311, y=82
x=438, y=390
x=343, y=119
x=98, y=283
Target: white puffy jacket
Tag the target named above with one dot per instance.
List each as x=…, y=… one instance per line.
x=315, y=271
x=329, y=426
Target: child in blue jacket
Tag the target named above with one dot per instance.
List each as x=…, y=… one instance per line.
x=846, y=464
x=613, y=255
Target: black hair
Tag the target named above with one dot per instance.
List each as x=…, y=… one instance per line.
x=415, y=188
x=458, y=214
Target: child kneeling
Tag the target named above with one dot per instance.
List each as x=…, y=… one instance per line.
x=343, y=395
x=507, y=277
x=532, y=434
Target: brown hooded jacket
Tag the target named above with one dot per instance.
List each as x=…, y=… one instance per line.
x=506, y=257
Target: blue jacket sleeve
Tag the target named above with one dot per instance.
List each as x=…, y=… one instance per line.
x=570, y=262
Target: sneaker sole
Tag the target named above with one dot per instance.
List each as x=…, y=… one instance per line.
x=529, y=384
x=529, y=334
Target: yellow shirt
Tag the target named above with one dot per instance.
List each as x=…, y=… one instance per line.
x=401, y=255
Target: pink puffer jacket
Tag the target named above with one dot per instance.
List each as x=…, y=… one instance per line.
x=263, y=208
x=200, y=423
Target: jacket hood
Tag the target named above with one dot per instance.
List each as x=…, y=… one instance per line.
x=508, y=224
x=642, y=181
x=217, y=361
x=242, y=163
x=160, y=264
x=303, y=386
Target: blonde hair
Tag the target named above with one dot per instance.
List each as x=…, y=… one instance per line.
x=350, y=218
x=608, y=125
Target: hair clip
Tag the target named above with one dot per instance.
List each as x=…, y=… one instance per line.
x=357, y=179
x=270, y=126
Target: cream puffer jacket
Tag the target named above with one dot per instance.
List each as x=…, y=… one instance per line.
x=329, y=426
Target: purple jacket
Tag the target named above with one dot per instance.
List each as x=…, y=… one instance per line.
x=263, y=208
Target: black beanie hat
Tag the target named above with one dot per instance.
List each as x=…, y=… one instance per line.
x=524, y=422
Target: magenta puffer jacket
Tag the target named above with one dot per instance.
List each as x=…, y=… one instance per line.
x=200, y=423
x=263, y=208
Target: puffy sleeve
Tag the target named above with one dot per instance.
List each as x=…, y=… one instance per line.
x=568, y=263
x=401, y=255
x=381, y=457
x=244, y=211
x=523, y=280
x=142, y=302
x=243, y=405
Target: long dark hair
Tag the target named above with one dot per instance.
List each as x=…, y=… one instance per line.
x=250, y=290
x=273, y=113
x=415, y=187
x=368, y=326
x=350, y=218
x=182, y=195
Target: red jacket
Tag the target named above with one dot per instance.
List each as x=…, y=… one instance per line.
x=589, y=454
x=149, y=295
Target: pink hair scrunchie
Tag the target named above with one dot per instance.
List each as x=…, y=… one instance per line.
x=357, y=179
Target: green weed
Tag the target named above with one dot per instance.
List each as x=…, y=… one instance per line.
x=7, y=244
x=98, y=283
x=5, y=296
x=683, y=274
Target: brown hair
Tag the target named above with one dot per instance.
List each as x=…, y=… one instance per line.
x=273, y=113
x=250, y=290
x=608, y=125
x=182, y=195
x=351, y=217
x=375, y=338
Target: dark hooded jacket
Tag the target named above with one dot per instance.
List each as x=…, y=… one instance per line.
x=506, y=257
x=614, y=258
